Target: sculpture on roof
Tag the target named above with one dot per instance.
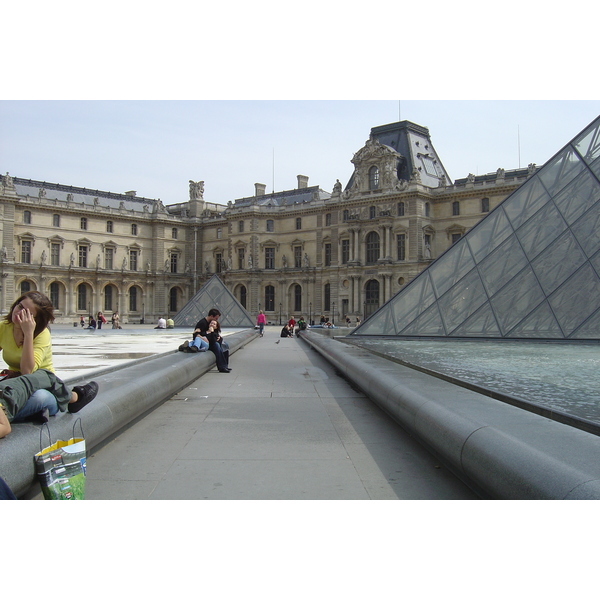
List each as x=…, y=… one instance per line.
x=337, y=187
x=196, y=190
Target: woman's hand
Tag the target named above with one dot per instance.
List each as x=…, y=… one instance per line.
x=26, y=322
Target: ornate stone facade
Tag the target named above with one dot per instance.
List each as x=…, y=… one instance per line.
x=298, y=252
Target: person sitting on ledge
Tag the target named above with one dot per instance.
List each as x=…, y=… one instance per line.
x=29, y=389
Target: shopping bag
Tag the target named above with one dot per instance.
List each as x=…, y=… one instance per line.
x=61, y=467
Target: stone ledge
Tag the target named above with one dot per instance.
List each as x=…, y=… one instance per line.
x=500, y=451
x=125, y=394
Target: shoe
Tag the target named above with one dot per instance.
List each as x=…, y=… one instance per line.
x=41, y=417
x=224, y=370
x=85, y=394
x=184, y=346
x=192, y=349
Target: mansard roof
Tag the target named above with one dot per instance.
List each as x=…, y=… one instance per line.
x=413, y=143
x=57, y=191
x=285, y=198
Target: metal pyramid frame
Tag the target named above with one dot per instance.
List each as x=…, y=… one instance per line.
x=530, y=269
x=214, y=294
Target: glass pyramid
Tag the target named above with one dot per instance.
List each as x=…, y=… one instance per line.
x=214, y=294
x=529, y=270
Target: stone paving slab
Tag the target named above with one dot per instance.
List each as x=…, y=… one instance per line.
x=281, y=425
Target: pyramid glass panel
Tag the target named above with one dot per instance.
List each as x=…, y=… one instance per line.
x=502, y=265
x=488, y=234
x=530, y=269
x=214, y=294
x=581, y=194
x=451, y=267
x=577, y=299
x=558, y=263
x=541, y=230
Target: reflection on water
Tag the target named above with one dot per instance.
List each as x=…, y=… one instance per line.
x=563, y=377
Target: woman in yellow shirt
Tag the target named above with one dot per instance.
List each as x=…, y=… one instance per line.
x=31, y=388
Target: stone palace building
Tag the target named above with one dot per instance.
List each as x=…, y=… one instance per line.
x=303, y=252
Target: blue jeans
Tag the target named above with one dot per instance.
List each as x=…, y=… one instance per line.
x=221, y=352
x=38, y=401
x=200, y=344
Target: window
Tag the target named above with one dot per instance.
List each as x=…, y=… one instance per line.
x=401, y=244
x=82, y=254
x=269, y=258
x=240, y=226
x=241, y=256
x=56, y=221
x=456, y=208
x=426, y=209
x=82, y=297
x=372, y=212
x=456, y=237
x=109, y=226
x=133, y=260
x=270, y=225
x=133, y=299
x=298, y=223
x=173, y=300
x=345, y=215
x=297, y=256
x=485, y=205
x=345, y=251
x=174, y=233
x=108, y=298
x=372, y=243
x=27, y=217
x=134, y=229
x=297, y=298
x=25, y=287
x=327, y=255
x=173, y=258
x=219, y=233
x=328, y=220
x=54, y=295
x=373, y=178
x=269, y=297
x=55, y=255
x=371, y=297
x=327, y=297
x=218, y=262
x=400, y=209
x=243, y=295
x=108, y=258
x=83, y=223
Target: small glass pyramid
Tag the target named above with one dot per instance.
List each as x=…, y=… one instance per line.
x=529, y=270
x=214, y=294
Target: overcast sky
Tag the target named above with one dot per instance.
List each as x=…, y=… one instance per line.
x=156, y=147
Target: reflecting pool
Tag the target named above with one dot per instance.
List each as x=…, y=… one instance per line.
x=563, y=377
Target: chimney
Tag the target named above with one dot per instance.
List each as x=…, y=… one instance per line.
x=302, y=181
x=259, y=189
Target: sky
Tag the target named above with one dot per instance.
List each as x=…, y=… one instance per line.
x=155, y=147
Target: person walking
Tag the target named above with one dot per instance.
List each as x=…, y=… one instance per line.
x=261, y=321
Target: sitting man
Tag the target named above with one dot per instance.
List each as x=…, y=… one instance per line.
x=287, y=331
x=209, y=328
x=301, y=326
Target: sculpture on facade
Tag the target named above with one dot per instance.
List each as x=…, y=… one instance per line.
x=196, y=190
x=3, y=254
x=306, y=261
x=43, y=259
x=72, y=260
x=249, y=261
x=284, y=261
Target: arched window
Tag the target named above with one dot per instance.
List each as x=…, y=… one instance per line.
x=327, y=297
x=108, y=298
x=55, y=295
x=269, y=297
x=373, y=178
x=82, y=303
x=297, y=298
x=25, y=287
x=371, y=297
x=133, y=299
x=485, y=205
x=242, y=292
x=173, y=300
x=372, y=247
